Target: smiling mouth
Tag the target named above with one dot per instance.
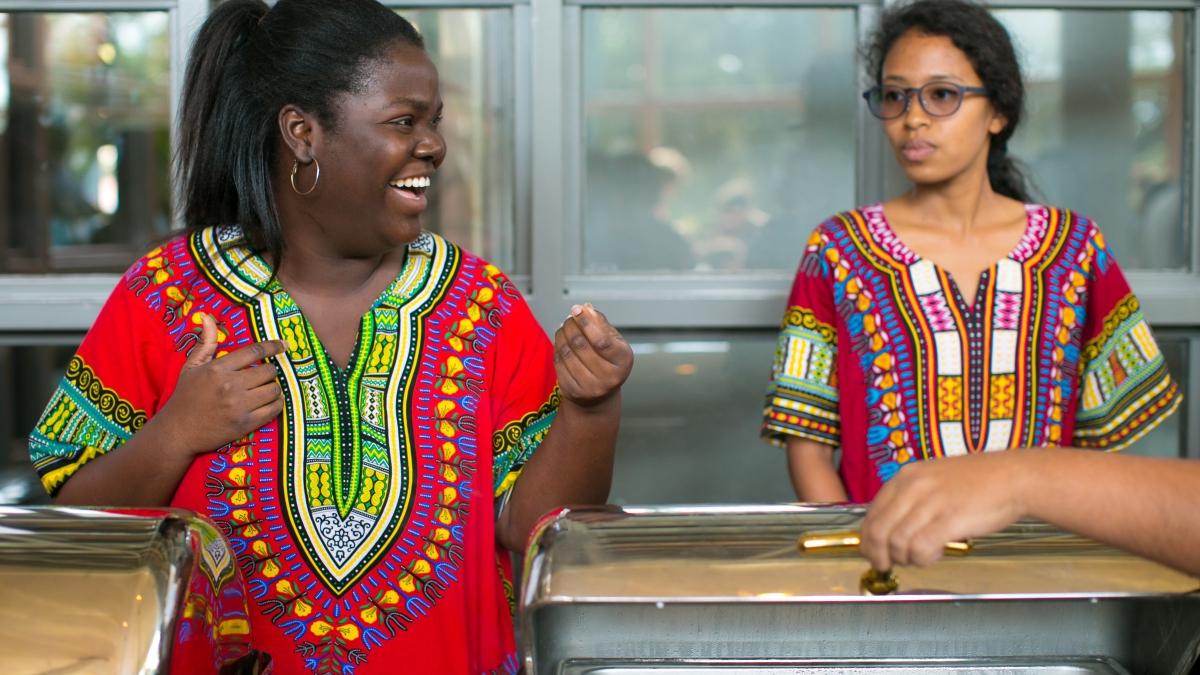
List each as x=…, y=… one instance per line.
x=414, y=187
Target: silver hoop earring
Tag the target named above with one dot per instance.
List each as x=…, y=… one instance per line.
x=317, y=179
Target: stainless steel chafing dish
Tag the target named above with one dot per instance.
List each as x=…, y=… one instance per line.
x=667, y=591
x=133, y=591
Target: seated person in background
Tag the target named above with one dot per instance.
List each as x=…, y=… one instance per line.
x=371, y=414
x=1148, y=506
x=958, y=317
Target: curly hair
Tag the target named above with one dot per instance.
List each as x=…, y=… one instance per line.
x=987, y=45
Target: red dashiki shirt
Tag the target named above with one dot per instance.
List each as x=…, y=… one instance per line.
x=879, y=353
x=363, y=518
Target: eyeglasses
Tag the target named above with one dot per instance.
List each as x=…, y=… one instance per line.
x=939, y=99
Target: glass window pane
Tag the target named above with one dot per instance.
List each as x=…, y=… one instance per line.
x=689, y=423
x=29, y=374
x=472, y=202
x=84, y=140
x=715, y=139
x=1104, y=127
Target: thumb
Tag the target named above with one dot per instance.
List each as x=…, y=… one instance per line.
x=203, y=352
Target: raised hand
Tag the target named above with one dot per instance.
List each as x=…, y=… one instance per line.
x=591, y=357
x=217, y=401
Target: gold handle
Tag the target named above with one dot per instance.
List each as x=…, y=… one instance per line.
x=848, y=542
x=873, y=581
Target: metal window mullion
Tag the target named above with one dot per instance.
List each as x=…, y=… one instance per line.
x=870, y=155
x=548, y=164
x=522, y=60
x=1191, y=201
x=1191, y=401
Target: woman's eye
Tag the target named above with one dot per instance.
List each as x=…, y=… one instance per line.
x=892, y=95
x=403, y=121
x=942, y=93
x=436, y=121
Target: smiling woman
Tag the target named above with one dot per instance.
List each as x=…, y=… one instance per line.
x=370, y=413
x=957, y=318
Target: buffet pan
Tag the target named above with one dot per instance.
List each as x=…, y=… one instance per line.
x=145, y=592
x=726, y=590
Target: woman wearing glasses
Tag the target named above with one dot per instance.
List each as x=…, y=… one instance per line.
x=958, y=317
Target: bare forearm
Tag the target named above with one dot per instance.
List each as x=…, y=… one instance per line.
x=573, y=466
x=1148, y=506
x=145, y=471
x=814, y=477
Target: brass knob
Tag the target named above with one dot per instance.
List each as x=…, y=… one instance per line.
x=873, y=581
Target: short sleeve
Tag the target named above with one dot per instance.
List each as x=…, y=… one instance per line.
x=802, y=397
x=1125, y=389
x=105, y=395
x=524, y=391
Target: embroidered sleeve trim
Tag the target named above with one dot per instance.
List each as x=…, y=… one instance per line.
x=802, y=399
x=83, y=420
x=1125, y=388
x=513, y=445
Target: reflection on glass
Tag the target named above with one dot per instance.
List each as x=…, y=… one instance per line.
x=715, y=139
x=84, y=141
x=689, y=426
x=28, y=376
x=471, y=202
x=1103, y=131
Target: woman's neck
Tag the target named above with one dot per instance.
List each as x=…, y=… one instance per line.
x=957, y=206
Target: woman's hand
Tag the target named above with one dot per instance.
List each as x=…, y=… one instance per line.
x=591, y=358
x=933, y=502
x=217, y=401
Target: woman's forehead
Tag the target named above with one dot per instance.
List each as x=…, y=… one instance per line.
x=919, y=56
x=401, y=76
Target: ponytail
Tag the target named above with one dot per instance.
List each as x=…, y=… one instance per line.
x=1004, y=173
x=226, y=152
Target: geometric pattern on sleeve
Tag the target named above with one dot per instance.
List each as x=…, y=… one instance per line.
x=83, y=420
x=802, y=399
x=514, y=444
x=1126, y=389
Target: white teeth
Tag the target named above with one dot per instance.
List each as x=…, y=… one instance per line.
x=421, y=182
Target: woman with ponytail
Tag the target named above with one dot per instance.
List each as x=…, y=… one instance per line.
x=371, y=414
x=958, y=317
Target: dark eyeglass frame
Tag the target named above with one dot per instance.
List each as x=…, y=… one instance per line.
x=877, y=91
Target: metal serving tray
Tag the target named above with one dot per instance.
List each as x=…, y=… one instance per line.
x=119, y=591
x=946, y=667
x=718, y=589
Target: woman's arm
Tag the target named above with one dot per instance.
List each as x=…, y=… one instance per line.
x=574, y=463
x=814, y=477
x=214, y=403
x=1148, y=506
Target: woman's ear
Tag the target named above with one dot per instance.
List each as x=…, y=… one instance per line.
x=299, y=130
x=999, y=123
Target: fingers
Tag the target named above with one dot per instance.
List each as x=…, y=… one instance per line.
x=203, y=352
x=601, y=336
x=570, y=370
x=263, y=394
x=252, y=353
x=885, y=517
x=261, y=416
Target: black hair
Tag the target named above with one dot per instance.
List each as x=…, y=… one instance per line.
x=987, y=45
x=249, y=60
